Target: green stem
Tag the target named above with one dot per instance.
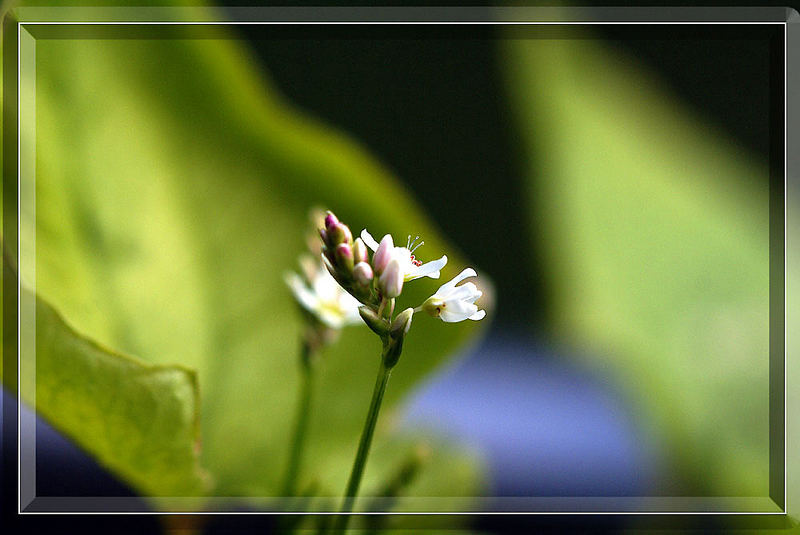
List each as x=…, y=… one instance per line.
x=363, y=449
x=301, y=421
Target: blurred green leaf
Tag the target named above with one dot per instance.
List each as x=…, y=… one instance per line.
x=655, y=232
x=172, y=189
x=138, y=419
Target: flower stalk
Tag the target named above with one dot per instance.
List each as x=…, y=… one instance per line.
x=297, y=445
x=363, y=448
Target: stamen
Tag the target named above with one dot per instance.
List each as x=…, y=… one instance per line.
x=417, y=246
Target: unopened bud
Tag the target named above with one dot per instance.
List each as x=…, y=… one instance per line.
x=339, y=233
x=360, y=251
x=402, y=323
x=362, y=273
x=391, y=281
x=344, y=257
x=330, y=220
x=383, y=255
x=373, y=321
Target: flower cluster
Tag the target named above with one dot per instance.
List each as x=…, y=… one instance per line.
x=326, y=306
x=374, y=273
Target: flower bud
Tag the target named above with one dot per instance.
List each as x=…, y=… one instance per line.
x=362, y=273
x=330, y=220
x=402, y=323
x=384, y=253
x=339, y=233
x=391, y=281
x=360, y=251
x=324, y=235
x=372, y=320
x=344, y=257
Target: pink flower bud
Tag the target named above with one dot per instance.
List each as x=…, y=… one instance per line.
x=360, y=251
x=340, y=233
x=344, y=257
x=362, y=273
x=330, y=220
x=391, y=281
x=384, y=253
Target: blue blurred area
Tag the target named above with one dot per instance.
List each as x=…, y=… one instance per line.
x=63, y=469
x=546, y=427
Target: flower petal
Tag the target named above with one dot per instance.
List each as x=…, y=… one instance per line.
x=466, y=292
x=349, y=306
x=460, y=306
x=325, y=286
x=479, y=315
x=302, y=294
x=447, y=287
x=330, y=318
x=384, y=254
x=428, y=269
x=369, y=240
x=449, y=315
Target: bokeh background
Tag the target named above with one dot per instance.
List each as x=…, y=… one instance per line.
x=614, y=183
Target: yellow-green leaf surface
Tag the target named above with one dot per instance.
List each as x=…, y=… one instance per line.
x=655, y=228
x=172, y=191
x=138, y=419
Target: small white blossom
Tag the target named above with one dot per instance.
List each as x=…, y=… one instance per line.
x=324, y=298
x=454, y=303
x=410, y=267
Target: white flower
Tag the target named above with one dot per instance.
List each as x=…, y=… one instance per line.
x=454, y=303
x=325, y=299
x=410, y=267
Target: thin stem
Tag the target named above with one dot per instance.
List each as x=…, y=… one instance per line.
x=301, y=421
x=363, y=449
